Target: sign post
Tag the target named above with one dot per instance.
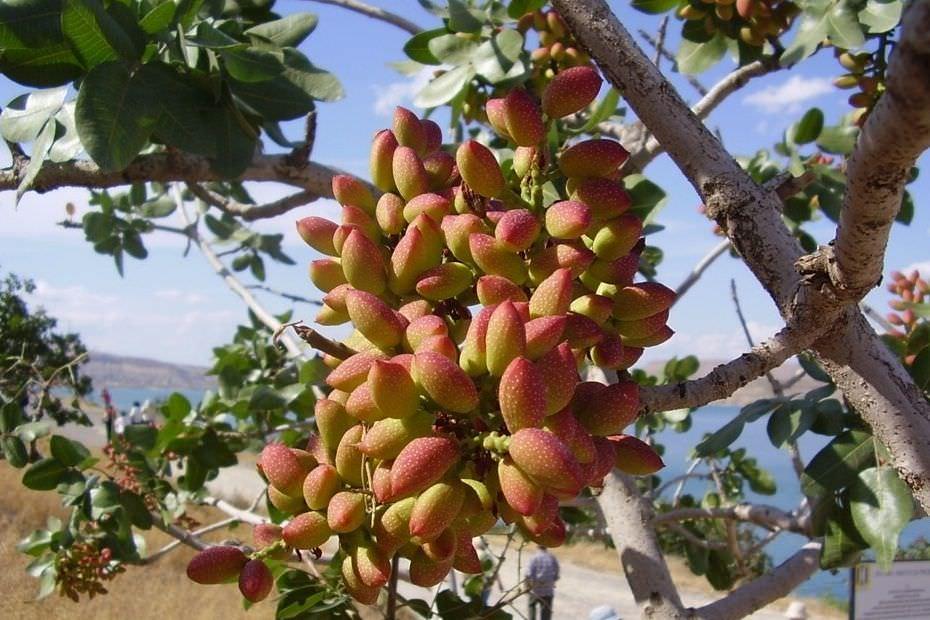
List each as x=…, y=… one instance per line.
x=897, y=594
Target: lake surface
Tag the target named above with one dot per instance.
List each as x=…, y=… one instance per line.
x=678, y=446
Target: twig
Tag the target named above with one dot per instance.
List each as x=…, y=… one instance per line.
x=660, y=42
x=690, y=537
x=726, y=378
x=290, y=296
x=320, y=342
x=248, y=212
x=375, y=13
x=231, y=280
x=193, y=536
x=391, y=611
x=777, y=388
x=716, y=252
x=693, y=81
x=768, y=517
x=876, y=316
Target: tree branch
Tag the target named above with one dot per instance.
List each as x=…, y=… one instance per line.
x=248, y=212
x=725, y=379
x=895, y=134
x=285, y=295
x=629, y=518
x=375, y=13
x=758, y=593
x=190, y=538
x=321, y=343
x=732, y=82
x=768, y=517
x=876, y=383
x=167, y=167
x=716, y=252
x=660, y=50
x=231, y=280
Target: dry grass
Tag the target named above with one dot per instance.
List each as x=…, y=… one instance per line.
x=161, y=591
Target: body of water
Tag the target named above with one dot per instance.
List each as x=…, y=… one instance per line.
x=755, y=440
x=678, y=446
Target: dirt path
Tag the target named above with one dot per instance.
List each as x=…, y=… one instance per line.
x=579, y=590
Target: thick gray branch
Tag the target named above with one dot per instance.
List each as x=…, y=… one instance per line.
x=375, y=13
x=167, y=167
x=628, y=518
x=758, y=593
x=768, y=517
x=895, y=134
x=725, y=379
x=876, y=382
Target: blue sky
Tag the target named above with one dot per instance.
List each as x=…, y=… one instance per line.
x=174, y=308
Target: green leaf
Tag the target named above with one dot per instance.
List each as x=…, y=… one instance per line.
x=812, y=30
x=838, y=463
x=158, y=18
x=808, y=128
x=44, y=475
x=186, y=113
x=28, y=24
x=920, y=369
x=497, y=57
x=14, y=451
x=789, y=421
x=518, y=8
x=843, y=28
x=721, y=438
x=136, y=510
x=288, y=31
x=94, y=34
x=69, y=453
x=842, y=543
x=881, y=15
x=115, y=114
x=445, y=87
x=881, y=507
x=451, y=49
x=461, y=19
x=51, y=65
x=417, y=47
x=906, y=212
x=265, y=398
x=30, y=431
x=645, y=196
x=253, y=65
x=694, y=58
x=292, y=93
x=23, y=118
x=212, y=38
x=142, y=436
x=39, y=152
x=11, y=415
x=718, y=570
x=234, y=144
x=813, y=368
x=839, y=140
x=654, y=7
x=67, y=143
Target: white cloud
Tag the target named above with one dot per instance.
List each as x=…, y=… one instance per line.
x=923, y=267
x=391, y=95
x=712, y=345
x=789, y=95
x=176, y=295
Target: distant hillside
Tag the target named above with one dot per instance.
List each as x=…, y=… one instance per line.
x=117, y=371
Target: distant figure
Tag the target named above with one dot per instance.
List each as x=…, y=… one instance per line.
x=796, y=611
x=135, y=414
x=604, y=612
x=146, y=417
x=541, y=575
x=109, y=413
x=119, y=425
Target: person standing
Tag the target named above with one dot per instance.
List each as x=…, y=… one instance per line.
x=109, y=413
x=135, y=414
x=541, y=575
